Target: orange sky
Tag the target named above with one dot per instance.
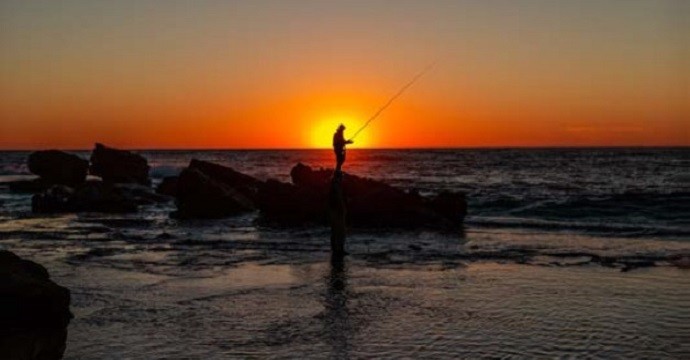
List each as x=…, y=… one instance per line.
x=273, y=74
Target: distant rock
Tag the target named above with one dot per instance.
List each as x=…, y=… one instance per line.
x=53, y=167
x=119, y=166
x=58, y=167
x=34, y=311
x=204, y=194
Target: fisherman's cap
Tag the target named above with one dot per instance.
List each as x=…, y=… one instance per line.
x=341, y=127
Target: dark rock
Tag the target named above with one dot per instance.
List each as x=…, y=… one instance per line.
x=34, y=311
x=140, y=194
x=243, y=183
x=119, y=166
x=54, y=200
x=29, y=186
x=33, y=344
x=58, y=167
x=306, y=177
x=207, y=190
x=98, y=196
x=202, y=196
x=92, y=196
x=284, y=203
x=168, y=186
x=372, y=203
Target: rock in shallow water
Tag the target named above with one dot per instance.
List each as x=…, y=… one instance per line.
x=58, y=167
x=244, y=183
x=119, y=166
x=34, y=311
x=204, y=194
x=207, y=190
x=377, y=204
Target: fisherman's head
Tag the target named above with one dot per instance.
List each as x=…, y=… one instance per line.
x=341, y=127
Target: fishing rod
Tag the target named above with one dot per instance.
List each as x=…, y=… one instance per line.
x=390, y=101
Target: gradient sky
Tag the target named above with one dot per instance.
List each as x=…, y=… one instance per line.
x=283, y=74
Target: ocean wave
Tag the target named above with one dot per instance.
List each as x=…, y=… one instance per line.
x=602, y=227
x=162, y=171
x=664, y=208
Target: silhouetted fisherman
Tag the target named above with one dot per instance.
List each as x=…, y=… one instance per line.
x=339, y=143
x=336, y=200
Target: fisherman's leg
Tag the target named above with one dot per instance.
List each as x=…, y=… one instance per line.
x=340, y=159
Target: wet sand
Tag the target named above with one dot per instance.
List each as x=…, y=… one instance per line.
x=484, y=309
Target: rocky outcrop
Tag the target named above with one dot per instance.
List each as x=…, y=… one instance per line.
x=58, y=167
x=34, y=311
x=205, y=191
x=369, y=203
x=119, y=166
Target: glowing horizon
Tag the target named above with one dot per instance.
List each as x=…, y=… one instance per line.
x=272, y=74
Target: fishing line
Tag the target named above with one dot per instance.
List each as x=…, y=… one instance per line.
x=390, y=101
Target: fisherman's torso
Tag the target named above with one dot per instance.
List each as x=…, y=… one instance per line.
x=338, y=141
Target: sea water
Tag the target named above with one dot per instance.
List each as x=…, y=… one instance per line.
x=518, y=280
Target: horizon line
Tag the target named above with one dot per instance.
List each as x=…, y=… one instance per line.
x=412, y=148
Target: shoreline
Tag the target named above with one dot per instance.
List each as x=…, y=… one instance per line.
x=482, y=309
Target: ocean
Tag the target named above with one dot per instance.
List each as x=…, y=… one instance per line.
x=524, y=278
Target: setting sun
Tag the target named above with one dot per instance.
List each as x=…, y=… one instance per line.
x=321, y=133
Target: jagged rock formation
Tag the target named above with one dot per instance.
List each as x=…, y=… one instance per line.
x=209, y=190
